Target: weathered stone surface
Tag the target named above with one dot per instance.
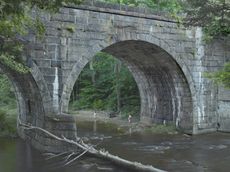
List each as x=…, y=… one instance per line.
x=168, y=63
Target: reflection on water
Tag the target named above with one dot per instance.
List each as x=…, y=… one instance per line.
x=177, y=153
x=200, y=153
x=95, y=126
x=18, y=156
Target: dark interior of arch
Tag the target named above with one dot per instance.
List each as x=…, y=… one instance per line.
x=164, y=90
x=30, y=107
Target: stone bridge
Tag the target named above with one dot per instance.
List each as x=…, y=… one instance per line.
x=167, y=61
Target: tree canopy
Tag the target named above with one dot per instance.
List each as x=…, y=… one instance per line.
x=16, y=21
x=106, y=84
x=212, y=15
x=171, y=6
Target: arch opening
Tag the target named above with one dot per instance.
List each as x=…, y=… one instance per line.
x=29, y=102
x=106, y=85
x=164, y=90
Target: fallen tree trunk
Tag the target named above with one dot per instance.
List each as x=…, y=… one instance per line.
x=97, y=153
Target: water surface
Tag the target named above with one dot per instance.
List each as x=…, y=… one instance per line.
x=210, y=152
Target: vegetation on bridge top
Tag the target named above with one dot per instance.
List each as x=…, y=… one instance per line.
x=15, y=21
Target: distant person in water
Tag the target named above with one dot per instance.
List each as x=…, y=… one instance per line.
x=94, y=114
x=129, y=118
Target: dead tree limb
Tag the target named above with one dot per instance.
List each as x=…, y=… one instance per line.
x=97, y=153
x=69, y=162
x=56, y=155
x=68, y=157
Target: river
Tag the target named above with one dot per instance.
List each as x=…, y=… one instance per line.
x=176, y=153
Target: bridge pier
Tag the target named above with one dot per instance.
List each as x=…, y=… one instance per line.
x=167, y=62
x=59, y=125
x=33, y=109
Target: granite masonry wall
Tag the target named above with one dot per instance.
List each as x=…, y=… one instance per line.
x=167, y=61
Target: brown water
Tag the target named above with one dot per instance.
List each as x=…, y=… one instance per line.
x=177, y=153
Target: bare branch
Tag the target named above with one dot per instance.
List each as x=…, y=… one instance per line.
x=98, y=153
x=76, y=157
x=57, y=155
x=69, y=156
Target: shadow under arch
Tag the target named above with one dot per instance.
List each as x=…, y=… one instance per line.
x=163, y=82
x=29, y=101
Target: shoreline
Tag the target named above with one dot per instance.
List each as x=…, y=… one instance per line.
x=135, y=124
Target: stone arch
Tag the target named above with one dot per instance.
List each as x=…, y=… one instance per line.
x=29, y=100
x=43, y=88
x=164, y=81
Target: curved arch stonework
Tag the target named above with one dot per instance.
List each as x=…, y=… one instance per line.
x=148, y=98
x=168, y=66
x=29, y=100
x=43, y=89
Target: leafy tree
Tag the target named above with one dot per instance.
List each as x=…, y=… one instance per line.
x=113, y=87
x=6, y=92
x=172, y=6
x=7, y=108
x=212, y=15
x=16, y=21
x=222, y=76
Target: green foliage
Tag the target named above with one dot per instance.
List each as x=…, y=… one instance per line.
x=97, y=87
x=2, y=121
x=171, y=6
x=7, y=108
x=7, y=125
x=212, y=15
x=222, y=76
x=6, y=93
x=12, y=63
x=16, y=21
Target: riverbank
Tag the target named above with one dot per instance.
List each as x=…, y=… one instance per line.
x=123, y=126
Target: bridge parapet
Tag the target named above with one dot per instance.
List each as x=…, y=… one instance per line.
x=120, y=9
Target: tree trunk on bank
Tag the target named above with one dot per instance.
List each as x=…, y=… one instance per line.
x=93, y=72
x=117, y=70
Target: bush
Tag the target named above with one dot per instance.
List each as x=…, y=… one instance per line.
x=7, y=124
x=98, y=104
x=2, y=121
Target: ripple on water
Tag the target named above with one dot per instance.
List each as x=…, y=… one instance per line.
x=153, y=148
x=167, y=143
x=130, y=143
x=217, y=147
